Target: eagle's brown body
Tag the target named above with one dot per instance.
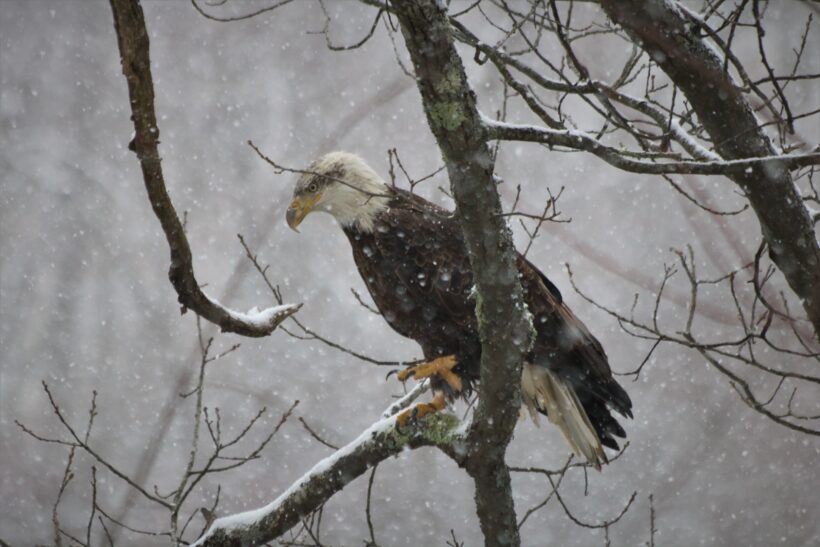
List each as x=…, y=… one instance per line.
x=415, y=265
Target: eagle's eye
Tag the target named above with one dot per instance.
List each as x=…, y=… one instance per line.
x=313, y=187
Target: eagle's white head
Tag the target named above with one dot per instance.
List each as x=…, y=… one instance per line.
x=343, y=185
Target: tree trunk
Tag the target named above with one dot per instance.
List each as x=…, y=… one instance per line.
x=505, y=329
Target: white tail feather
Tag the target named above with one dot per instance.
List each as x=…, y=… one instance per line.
x=543, y=390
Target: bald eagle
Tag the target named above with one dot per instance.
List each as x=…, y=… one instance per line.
x=413, y=260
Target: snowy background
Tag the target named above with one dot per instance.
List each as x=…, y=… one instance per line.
x=85, y=303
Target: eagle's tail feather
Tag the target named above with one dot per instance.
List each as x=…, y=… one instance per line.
x=541, y=390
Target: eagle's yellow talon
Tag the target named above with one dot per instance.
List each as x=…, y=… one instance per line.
x=405, y=417
x=418, y=411
x=442, y=367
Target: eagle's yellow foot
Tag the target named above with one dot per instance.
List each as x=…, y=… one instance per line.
x=443, y=367
x=420, y=410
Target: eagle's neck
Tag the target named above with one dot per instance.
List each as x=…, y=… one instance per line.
x=357, y=205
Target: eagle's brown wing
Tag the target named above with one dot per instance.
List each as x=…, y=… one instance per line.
x=566, y=348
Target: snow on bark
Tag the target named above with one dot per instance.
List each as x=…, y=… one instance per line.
x=581, y=140
x=264, y=319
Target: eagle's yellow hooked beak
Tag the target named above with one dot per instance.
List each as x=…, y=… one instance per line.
x=299, y=209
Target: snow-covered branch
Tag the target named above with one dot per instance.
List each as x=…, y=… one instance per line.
x=504, y=61
x=580, y=140
x=132, y=38
x=377, y=443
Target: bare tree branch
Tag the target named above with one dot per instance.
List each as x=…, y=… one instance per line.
x=132, y=38
x=730, y=356
x=250, y=15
